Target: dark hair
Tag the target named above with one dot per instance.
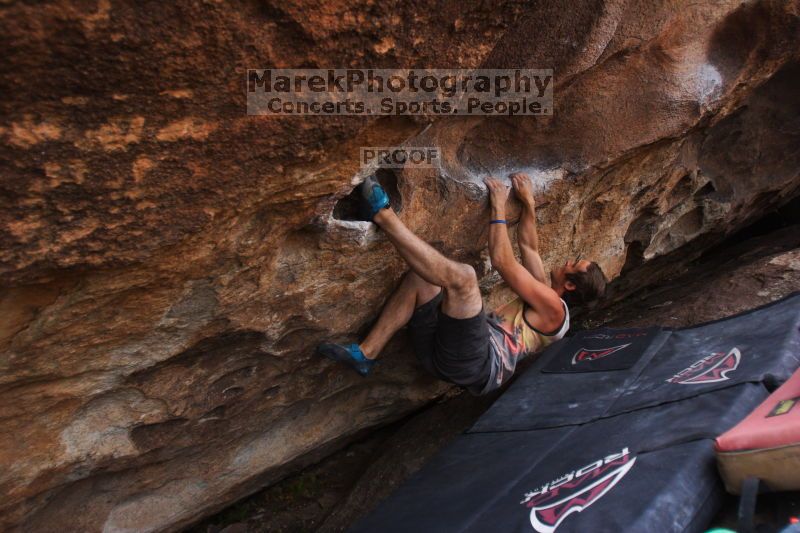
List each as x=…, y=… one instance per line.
x=589, y=285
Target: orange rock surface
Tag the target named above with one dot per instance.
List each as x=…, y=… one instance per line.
x=168, y=263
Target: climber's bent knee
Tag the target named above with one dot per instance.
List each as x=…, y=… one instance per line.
x=461, y=278
x=462, y=298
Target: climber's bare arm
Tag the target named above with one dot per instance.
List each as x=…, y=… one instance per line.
x=527, y=236
x=541, y=298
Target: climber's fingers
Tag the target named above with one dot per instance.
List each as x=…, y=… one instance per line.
x=498, y=191
x=520, y=181
x=494, y=185
x=523, y=187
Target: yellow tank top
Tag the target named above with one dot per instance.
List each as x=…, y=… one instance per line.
x=512, y=338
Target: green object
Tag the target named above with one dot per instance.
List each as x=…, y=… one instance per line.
x=720, y=530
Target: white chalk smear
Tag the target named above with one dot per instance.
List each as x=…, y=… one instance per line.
x=707, y=80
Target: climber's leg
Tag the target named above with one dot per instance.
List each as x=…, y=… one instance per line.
x=449, y=329
x=453, y=344
x=412, y=292
x=462, y=297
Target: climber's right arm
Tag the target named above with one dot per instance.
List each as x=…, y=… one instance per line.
x=541, y=298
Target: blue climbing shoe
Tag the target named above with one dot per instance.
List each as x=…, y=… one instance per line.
x=350, y=354
x=374, y=195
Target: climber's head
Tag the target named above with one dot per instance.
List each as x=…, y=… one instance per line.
x=579, y=282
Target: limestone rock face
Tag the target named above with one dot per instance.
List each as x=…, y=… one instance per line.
x=168, y=263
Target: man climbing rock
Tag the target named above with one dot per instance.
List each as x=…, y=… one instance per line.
x=440, y=301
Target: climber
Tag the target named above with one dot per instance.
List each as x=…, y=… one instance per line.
x=439, y=298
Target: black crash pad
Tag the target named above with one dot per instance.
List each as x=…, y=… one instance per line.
x=763, y=345
x=624, y=446
x=539, y=400
x=484, y=481
x=676, y=364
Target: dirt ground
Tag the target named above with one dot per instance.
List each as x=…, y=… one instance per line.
x=332, y=494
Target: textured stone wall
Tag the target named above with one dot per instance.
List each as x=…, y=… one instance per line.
x=168, y=263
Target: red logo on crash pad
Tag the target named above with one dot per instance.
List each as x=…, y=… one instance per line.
x=710, y=369
x=575, y=491
x=585, y=354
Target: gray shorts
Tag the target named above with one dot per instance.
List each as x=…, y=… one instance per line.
x=452, y=349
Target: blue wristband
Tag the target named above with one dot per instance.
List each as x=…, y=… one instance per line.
x=498, y=222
